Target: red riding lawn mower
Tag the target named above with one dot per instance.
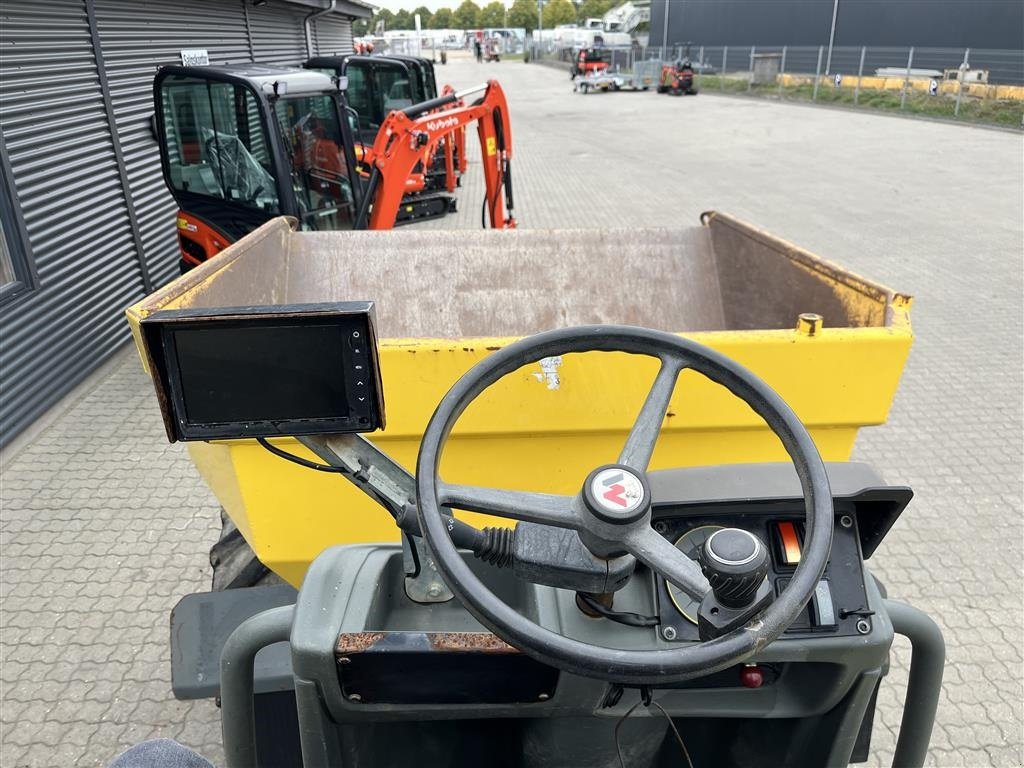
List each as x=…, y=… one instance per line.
x=589, y=61
x=677, y=79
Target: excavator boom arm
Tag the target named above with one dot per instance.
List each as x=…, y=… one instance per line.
x=408, y=135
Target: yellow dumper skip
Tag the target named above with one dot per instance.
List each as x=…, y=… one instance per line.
x=446, y=300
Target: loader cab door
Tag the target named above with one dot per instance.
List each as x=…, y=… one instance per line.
x=422, y=70
x=216, y=153
x=317, y=148
x=235, y=156
x=377, y=85
x=431, y=80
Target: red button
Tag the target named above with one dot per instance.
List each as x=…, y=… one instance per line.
x=751, y=676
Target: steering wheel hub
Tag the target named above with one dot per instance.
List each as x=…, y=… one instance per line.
x=616, y=494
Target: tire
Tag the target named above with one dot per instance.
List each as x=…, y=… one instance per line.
x=234, y=563
x=662, y=89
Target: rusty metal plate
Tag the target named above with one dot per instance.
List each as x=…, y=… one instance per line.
x=438, y=668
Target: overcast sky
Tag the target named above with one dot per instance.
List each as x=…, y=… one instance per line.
x=433, y=5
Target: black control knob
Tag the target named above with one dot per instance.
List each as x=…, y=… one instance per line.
x=735, y=563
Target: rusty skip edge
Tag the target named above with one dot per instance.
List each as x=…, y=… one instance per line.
x=795, y=253
x=441, y=642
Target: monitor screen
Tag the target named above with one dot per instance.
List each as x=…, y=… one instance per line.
x=239, y=372
x=245, y=373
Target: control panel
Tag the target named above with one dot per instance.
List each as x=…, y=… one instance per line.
x=839, y=605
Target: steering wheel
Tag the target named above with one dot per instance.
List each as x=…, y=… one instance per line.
x=610, y=529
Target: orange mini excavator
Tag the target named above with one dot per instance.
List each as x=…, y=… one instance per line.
x=377, y=86
x=242, y=144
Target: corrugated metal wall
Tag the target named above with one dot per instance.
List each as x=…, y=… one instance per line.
x=136, y=38
x=994, y=24
x=66, y=175
x=278, y=36
x=99, y=220
x=332, y=36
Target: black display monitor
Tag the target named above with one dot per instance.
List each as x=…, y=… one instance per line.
x=235, y=372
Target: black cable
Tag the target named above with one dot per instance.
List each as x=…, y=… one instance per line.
x=495, y=548
x=675, y=730
x=672, y=725
x=620, y=617
x=489, y=204
x=328, y=468
x=615, y=733
x=299, y=460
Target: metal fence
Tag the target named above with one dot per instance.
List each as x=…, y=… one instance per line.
x=978, y=84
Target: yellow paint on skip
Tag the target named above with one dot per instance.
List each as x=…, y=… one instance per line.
x=522, y=434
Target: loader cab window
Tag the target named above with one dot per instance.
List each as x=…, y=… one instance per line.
x=398, y=87
x=360, y=98
x=314, y=147
x=398, y=95
x=217, y=144
x=352, y=111
x=430, y=83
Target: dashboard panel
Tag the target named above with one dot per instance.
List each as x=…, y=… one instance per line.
x=839, y=607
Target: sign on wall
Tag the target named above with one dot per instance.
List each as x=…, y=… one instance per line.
x=195, y=57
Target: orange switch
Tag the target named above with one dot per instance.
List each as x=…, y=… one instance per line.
x=790, y=543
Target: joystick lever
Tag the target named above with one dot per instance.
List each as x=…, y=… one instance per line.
x=735, y=563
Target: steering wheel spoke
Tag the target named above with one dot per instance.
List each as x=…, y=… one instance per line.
x=661, y=556
x=642, y=437
x=544, y=508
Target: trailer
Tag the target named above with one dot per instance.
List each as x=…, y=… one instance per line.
x=603, y=80
x=643, y=75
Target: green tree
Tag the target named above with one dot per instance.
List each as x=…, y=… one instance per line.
x=403, y=20
x=559, y=12
x=425, y=17
x=360, y=27
x=595, y=9
x=467, y=15
x=523, y=13
x=442, y=19
x=493, y=15
x=384, y=19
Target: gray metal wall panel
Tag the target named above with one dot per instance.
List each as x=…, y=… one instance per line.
x=65, y=173
x=994, y=24
x=333, y=35
x=278, y=36
x=137, y=37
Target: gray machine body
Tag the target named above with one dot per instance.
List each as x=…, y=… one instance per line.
x=379, y=679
